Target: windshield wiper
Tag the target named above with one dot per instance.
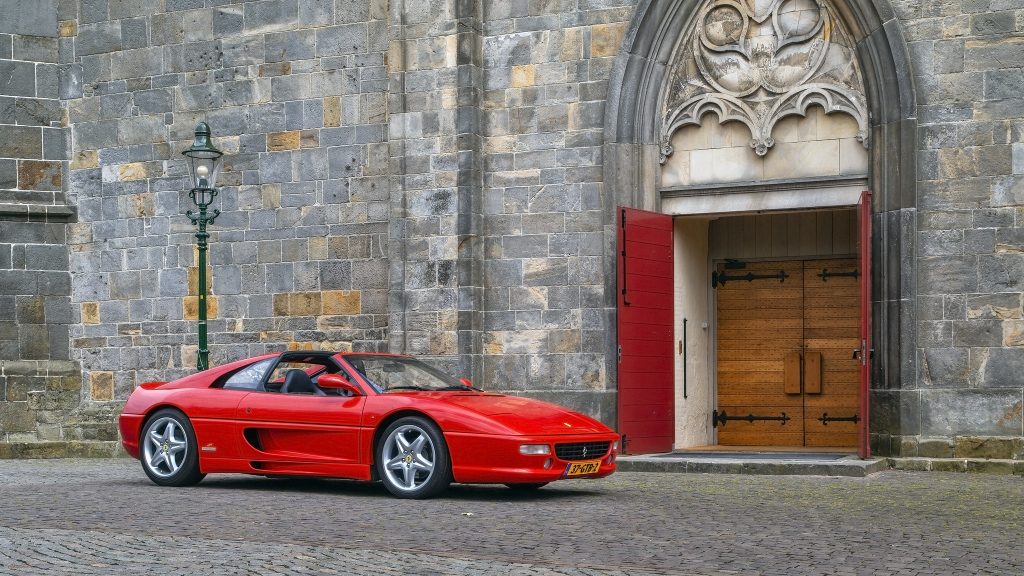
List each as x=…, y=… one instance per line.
x=407, y=387
x=461, y=387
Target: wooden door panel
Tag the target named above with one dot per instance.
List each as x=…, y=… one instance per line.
x=833, y=331
x=758, y=323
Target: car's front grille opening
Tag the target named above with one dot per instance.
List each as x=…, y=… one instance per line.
x=581, y=450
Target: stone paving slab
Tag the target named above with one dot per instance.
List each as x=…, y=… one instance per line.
x=104, y=517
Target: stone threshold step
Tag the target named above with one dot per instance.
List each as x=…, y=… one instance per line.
x=769, y=465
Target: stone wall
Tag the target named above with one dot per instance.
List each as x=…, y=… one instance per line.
x=296, y=95
x=435, y=177
x=967, y=399
x=39, y=385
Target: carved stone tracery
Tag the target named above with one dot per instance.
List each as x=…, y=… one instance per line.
x=758, y=61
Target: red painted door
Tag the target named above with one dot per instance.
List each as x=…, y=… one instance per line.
x=865, y=352
x=645, y=371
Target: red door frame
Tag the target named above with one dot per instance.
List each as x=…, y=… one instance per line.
x=866, y=351
x=645, y=336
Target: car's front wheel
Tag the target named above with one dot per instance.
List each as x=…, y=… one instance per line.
x=412, y=458
x=170, y=454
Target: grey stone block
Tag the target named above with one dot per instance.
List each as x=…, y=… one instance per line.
x=29, y=17
x=35, y=49
x=21, y=142
x=173, y=282
x=1001, y=272
x=17, y=78
x=316, y=12
x=1003, y=368
x=137, y=63
x=99, y=38
x=971, y=412
x=340, y=40
x=270, y=15
x=227, y=21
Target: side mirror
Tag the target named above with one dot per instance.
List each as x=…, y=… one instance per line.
x=466, y=382
x=338, y=382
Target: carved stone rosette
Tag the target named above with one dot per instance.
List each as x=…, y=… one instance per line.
x=758, y=61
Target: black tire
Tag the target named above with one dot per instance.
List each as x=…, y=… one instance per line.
x=404, y=461
x=172, y=468
x=532, y=487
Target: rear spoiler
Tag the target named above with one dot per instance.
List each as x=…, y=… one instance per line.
x=151, y=385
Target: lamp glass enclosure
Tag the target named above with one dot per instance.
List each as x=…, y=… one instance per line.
x=204, y=162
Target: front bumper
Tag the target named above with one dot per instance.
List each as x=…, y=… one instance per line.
x=485, y=459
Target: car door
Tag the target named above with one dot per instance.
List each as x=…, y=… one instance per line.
x=298, y=433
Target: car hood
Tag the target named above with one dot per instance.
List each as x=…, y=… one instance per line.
x=528, y=416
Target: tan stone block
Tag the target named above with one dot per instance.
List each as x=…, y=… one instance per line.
x=39, y=175
x=140, y=205
x=188, y=354
x=90, y=312
x=1013, y=333
x=801, y=159
x=271, y=195
x=724, y=165
x=572, y=45
x=79, y=233
x=332, y=111
x=67, y=28
x=524, y=75
x=318, y=248
x=853, y=157
x=190, y=307
x=982, y=447
x=132, y=171
x=85, y=159
x=564, y=341
x=443, y=344
x=281, y=304
x=676, y=169
x=605, y=39
x=304, y=304
x=228, y=144
x=275, y=69
x=342, y=302
x=101, y=386
x=309, y=139
x=694, y=137
x=279, y=141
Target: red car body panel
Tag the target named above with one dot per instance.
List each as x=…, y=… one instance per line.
x=257, y=432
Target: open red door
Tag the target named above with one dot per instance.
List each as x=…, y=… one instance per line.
x=645, y=292
x=865, y=352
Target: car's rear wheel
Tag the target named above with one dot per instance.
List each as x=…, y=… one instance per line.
x=527, y=487
x=412, y=458
x=170, y=454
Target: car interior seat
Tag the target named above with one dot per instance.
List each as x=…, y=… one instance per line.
x=297, y=382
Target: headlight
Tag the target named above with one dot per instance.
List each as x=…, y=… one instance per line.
x=615, y=446
x=534, y=449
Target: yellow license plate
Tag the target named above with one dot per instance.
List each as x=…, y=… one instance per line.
x=583, y=468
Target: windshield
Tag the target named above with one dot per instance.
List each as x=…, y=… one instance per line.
x=387, y=373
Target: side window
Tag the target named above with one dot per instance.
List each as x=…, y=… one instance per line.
x=277, y=377
x=249, y=378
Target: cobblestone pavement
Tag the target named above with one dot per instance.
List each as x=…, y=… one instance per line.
x=104, y=517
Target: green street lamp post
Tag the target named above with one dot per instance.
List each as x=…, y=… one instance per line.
x=204, y=163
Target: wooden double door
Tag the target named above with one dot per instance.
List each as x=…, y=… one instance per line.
x=786, y=335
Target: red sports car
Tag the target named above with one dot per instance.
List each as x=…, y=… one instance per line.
x=362, y=416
